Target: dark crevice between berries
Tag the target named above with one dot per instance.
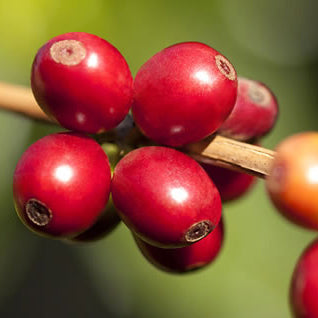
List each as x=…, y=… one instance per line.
x=38, y=213
x=198, y=231
x=68, y=52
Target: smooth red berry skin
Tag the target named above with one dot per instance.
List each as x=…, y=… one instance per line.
x=83, y=82
x=231, y=184
x=254, y=114
x=165, y=197
x=304, y=285
x=185, y=259
x=292, y=183
x=66, y=178
x=183, y=93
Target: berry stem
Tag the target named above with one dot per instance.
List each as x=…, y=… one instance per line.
x=233, y=154
x=222, y=151
x=19, y=99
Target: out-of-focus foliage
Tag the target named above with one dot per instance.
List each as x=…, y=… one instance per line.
x=273, y=41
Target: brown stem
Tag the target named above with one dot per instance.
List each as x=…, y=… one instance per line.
x=218, y=150
x=233, y=154
x=20, y=99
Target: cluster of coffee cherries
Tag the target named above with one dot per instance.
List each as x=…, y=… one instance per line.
x=65, y=187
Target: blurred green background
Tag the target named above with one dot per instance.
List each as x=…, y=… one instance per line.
x=273, y=41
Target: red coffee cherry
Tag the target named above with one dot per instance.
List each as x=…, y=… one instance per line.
x=254, y=114
x=231, y=184
x=82, y=81
x=304, y=285
x=61, y=184
x=184, y=259
x=293, y=180
x=183, y=93
x=165, y=197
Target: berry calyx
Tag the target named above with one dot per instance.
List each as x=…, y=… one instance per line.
x=165, y=197
x=61, y=184
x=183, y=93
x=38, y=212
x=82, y=81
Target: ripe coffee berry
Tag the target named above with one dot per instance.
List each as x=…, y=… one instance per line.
x=231, y=184
x=165, y=197
x=183, y=93
x=293, y=180
x=184, y=259
x=61, y=184
x=82, y=81
x=254, y=114
x=304, y=286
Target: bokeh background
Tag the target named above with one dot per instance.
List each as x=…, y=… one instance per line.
x=274, y=41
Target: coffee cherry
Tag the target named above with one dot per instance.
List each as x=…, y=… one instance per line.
x=183, y=93
x=254, y=114
x=293, y=180
x=304, y=285
x=105, y=224
x=165, y=197
x=184, y=259
x=61, y=184
x=231, y=184
x=82, y=81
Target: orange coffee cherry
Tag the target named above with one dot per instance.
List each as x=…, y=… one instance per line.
x=293, y=180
